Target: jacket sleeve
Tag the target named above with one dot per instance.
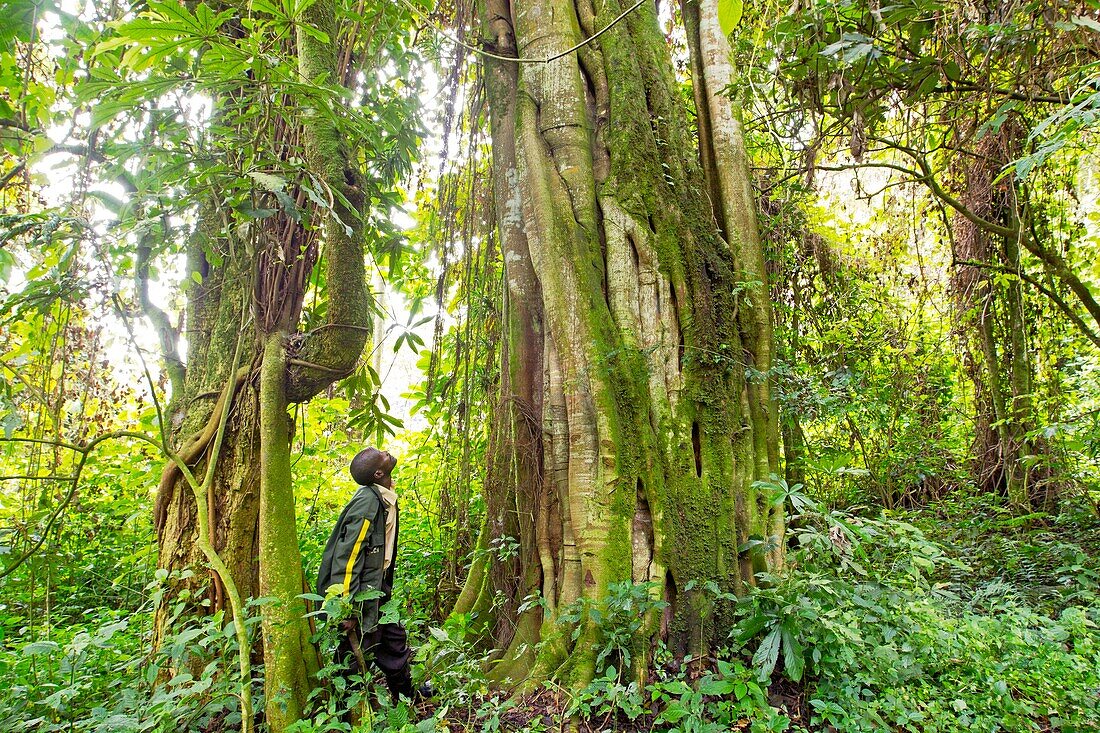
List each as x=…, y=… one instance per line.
x=349, y=548
x=344, y=555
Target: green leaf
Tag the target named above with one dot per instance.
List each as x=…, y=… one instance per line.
x=713, y=686
x=268, y=181
x=751, y=627
x=288, y=204
x=257, y=213
x=6, y=264
x=767, y=655
x=794, y=661
x=111, y=43
x=858, y=51
x=729, y=14
x=674, y=712
x=1086, y=22
x=39, y=647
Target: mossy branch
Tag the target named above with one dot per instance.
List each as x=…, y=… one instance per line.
x=326, y=355
x=1051, y=294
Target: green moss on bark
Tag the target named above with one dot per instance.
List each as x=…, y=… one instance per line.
x=289, y=657
x=687, y=447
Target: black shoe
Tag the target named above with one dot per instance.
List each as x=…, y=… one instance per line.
x=423, y=691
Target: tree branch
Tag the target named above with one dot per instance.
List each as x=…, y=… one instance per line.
x=1009, y=93
x=12, y=174
x=1052, y=295
x=1052, y=261
x=928, y=178
x=166, y=332
x=85, y=450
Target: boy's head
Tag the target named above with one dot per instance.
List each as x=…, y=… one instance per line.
x=373, y=466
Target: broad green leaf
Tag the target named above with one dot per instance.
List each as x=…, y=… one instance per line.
x=713, y=686
x=729, y=14
x=767, y=655
x=794, y=661
x=751, y=627
x=268, y=181
x=1086, y=22
x=40, y=647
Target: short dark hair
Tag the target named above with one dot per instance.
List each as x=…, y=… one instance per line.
x=365, y=463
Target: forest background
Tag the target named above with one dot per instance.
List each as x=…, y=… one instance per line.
x=925, y=187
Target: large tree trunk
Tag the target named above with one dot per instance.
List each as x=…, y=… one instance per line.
x=628, y=439
x=251, y=297
x=214, y=328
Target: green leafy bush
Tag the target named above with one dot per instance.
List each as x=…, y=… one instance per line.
x=884, y=645
x=99, y=677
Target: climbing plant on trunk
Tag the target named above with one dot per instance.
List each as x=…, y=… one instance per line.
x=995, y=330
x=634, y=417
x=286, y=208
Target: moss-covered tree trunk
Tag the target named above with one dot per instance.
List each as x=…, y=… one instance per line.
x=214, y=317
x=251, y=295
x=635, y=414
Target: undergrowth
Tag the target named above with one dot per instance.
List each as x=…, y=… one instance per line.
x=960, y=616
x=891, y=629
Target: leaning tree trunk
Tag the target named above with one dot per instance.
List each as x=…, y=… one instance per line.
x=629, y=437
x=242, y=320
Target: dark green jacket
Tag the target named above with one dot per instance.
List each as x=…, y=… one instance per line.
x=355, y=553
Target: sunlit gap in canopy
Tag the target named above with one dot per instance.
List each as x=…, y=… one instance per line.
x=58, y=173
x=68, y=177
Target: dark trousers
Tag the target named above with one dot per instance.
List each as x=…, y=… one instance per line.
x=388, y=646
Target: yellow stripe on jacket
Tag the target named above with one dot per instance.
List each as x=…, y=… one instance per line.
x=355, y=554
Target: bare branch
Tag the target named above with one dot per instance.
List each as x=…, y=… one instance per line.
x=1009, y=93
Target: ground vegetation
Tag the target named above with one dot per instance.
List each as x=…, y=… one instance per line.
x=747, y=361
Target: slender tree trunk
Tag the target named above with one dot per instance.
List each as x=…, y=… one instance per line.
x=630, y=334
x=992, y=318
x=289, y=657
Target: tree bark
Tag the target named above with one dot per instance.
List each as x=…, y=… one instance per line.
x=631, y=437
x=252, y=498
x=289, y=657
x=992, y=322
x=214, y=320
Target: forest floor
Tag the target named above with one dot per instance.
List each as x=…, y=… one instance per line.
x=963, y=613
x=957, y=616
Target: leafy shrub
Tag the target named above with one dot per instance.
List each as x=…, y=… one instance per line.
x=98, y=677
x=883, y=645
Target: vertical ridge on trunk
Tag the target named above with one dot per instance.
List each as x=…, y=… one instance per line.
x=622, y=306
